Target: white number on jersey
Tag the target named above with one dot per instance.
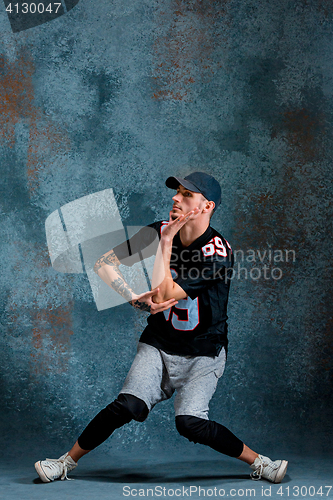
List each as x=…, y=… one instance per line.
x=215, y=245
x=192, y=310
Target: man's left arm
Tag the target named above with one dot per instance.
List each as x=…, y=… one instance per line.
x=162, y=277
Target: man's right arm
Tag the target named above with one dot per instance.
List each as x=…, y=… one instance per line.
x=107, y=268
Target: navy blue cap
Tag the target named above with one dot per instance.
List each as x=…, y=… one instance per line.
x=198, y=182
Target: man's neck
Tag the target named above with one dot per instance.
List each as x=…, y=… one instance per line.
x=190, y=233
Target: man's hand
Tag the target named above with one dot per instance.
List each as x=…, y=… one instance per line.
x=144, y=302
x=170, y=231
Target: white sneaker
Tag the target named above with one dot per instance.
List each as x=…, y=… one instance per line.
x=266, y=468
x=51, y=469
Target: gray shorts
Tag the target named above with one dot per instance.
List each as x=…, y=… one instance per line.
x=155, y=375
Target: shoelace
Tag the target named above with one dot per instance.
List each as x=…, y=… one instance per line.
x=65, y=466
x=256, y=476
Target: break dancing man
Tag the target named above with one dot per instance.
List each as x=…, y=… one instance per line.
x=183, y=347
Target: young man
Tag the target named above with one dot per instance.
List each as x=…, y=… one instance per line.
x=183, y=348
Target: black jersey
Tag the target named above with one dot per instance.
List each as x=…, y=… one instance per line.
x=196, y=325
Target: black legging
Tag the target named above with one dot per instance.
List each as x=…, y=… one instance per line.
x=127, y=407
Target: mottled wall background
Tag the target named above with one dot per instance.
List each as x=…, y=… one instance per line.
x=122, y=94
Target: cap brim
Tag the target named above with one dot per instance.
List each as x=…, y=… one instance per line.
x=173, y=183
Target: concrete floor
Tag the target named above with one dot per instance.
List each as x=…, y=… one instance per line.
x=100, y=476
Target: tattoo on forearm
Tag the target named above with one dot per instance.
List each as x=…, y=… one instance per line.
x=122, y=288
x=110, y=259
x=98, y=265
x=117, y=283
x=141, y=305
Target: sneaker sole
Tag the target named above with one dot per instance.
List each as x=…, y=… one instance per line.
x=281, y=472
x=41, y=473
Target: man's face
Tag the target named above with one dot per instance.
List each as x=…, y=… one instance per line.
x=184, y=201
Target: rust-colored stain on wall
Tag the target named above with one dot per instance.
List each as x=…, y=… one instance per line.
x=51, y=329
x=324, y=6
x=283, y=218
x=16, y=95
x=275, y=215
x=303, y=137
x=45, y=141
x=183, y=53
x=51, y=339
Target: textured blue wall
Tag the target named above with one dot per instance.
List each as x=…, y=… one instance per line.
x=122, y=94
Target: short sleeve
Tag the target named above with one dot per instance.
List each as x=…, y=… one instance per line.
x=141, y=245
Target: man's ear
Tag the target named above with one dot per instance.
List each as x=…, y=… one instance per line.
x=209, y=206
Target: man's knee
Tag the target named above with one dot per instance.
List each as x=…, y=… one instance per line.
x=129, y=407
x=191, y=427
x=124, y=409
x=210, y=433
